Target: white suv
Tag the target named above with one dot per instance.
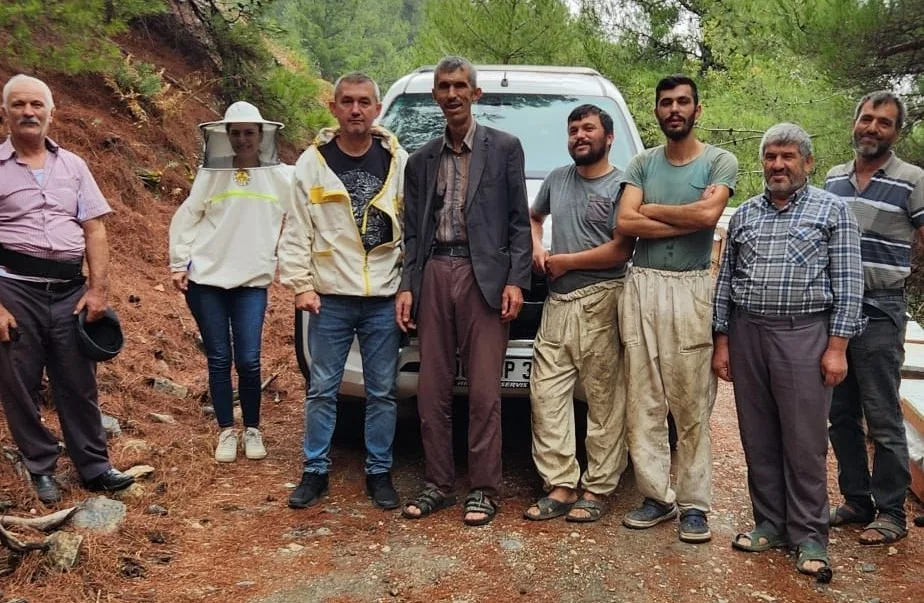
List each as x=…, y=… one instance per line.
x=532, y=103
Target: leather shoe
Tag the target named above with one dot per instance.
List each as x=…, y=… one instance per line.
x=382, y=491
x=109, y=480
x=46, y=487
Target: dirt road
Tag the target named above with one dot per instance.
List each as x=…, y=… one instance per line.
x=345, y=550
x=228, y=536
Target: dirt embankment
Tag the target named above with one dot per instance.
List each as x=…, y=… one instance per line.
x=144, y=168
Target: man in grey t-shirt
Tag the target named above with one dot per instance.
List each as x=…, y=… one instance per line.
x=578, y=337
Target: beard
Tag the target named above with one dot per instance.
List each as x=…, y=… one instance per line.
x=871, y=151
x=793, y=183
x=593, y=155
x=680, y=134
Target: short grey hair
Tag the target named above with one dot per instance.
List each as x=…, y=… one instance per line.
x=451, y=64
x=20, y=79
x=883, y=96
x=784, y=134
x=356, y=77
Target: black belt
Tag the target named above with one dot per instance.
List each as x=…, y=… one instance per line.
x=456, y=251
x=27, y=265
x=55, y=286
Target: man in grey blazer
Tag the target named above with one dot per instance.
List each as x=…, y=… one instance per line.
x=468, y=252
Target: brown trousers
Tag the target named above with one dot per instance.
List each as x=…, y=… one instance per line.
x=453, y=314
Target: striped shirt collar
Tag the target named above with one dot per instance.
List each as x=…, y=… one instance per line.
x=883, y=169
x=7, y=150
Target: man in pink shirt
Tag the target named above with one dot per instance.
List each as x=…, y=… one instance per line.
x=50, y=218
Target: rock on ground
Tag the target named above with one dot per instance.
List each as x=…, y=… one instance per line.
x=100, y=514
x=63, y=549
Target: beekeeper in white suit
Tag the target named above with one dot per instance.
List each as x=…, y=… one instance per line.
x=223, y=257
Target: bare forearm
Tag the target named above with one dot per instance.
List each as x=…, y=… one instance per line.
x=535, y=227
x=98, y=258
x=692, y=216
x=604, y=256
x=637, y=225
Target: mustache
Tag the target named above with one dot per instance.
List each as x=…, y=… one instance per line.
x=28, y=121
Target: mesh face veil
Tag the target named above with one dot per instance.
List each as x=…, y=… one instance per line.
x=217, y=152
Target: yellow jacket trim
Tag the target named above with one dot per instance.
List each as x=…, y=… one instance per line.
x=243, y=194
x=321, y=224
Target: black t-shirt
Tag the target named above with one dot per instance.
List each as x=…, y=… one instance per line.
x=363, y=178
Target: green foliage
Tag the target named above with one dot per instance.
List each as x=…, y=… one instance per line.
x=373, y=36
x=138, y=78
x=498, y=31
x=69, y=36
x=294, y=98
x=755, y=81
x=252, y=73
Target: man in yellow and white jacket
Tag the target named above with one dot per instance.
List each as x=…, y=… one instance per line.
x=341, y=252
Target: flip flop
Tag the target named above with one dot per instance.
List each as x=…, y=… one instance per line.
x=888, y=529
x=549, y=508
x=594, y=510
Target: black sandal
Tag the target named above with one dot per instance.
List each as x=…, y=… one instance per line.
x=479, y=502
x=429, y=501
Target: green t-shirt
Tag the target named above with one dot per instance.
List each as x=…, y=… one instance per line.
x=669, y=184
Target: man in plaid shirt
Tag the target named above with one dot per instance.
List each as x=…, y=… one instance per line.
x=788, y=299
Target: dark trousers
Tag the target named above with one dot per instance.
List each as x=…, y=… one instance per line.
x=875, y=359
x=48, y=341
x=453, y=314
x=225, y=316
x=783, y=406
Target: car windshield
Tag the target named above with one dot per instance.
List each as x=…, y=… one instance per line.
x=538, y=120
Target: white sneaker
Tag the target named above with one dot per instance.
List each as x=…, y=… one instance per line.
x=253, y=444
x=226, y=451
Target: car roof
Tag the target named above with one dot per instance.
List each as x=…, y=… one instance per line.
x=512, y=79
x=525, y=79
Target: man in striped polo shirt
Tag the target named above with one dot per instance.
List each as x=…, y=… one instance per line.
x=887, y=196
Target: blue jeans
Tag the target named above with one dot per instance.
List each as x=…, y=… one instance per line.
x=223, y=315
x=870, y=391
x=330, y=335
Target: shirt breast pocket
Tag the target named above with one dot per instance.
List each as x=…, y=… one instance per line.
x=64, y=191
x=806, y=245
x=599, y=209
x=746, y=240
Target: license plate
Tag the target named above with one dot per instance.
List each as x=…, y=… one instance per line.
x=515, y=374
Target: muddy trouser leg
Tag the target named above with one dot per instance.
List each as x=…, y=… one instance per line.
x=646, y=404
x=552, y=381
x=603, y=375
x=685, y=341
